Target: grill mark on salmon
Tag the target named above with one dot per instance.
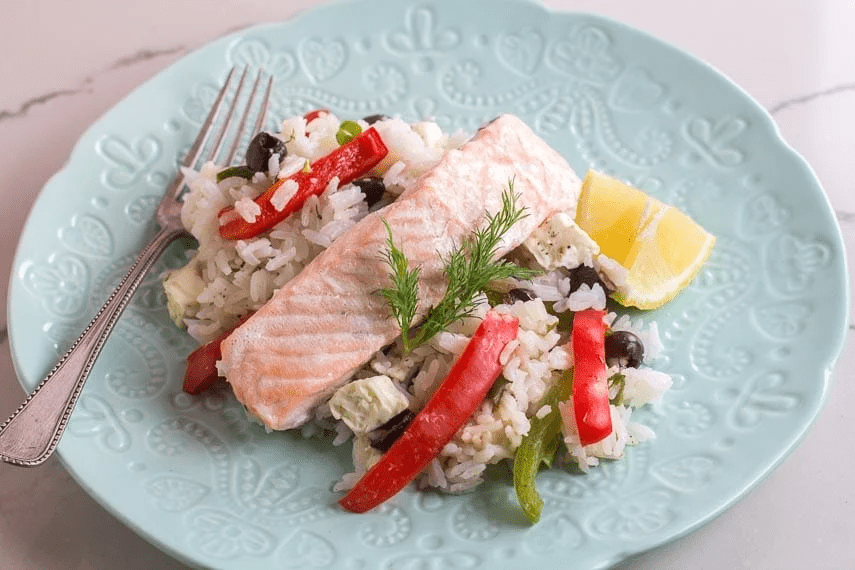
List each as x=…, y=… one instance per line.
x=328, y=321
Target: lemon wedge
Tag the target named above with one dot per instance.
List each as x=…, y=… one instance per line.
x=661, y=248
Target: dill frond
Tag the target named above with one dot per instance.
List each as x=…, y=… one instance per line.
x=469, y=269
x=403, y=296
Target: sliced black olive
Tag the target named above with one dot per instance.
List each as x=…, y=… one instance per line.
x=384, y=436
x=261, y=148
x=624, y=348
x=372, y=187
x=519, y=294
x=371, y=119
x=584, y=275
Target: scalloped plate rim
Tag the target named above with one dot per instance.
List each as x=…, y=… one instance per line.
x=768, y=124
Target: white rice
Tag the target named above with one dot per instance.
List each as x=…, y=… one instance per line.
x=283, y=194
x=531, y=365
x=240, y=276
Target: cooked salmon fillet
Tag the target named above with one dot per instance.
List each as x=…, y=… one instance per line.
x=329, y=320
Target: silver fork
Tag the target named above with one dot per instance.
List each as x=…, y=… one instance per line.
x=32, y=433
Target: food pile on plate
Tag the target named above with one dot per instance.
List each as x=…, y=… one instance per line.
x=442, y=302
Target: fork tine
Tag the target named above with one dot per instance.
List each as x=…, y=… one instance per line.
x=196, y=150
x=227, y=121
x=176, y=188
x=246, y=112
x=262, y=113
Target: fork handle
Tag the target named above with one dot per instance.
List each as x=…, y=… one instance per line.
x=32, y=433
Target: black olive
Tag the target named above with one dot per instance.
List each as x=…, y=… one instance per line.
x=371, y=119
x=261, y=148
x=624, y=348
x=384, y=436
x=519, y=294
x=584, y=275
x=372, y=187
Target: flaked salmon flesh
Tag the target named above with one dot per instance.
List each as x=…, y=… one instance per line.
x=329, y=320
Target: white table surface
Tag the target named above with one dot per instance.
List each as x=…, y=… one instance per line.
x=64, y=64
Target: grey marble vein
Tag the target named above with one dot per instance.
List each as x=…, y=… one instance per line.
x=24, y=108
x=145, y=55
x=844, y=217
x=140, y=56
x=802, y=99
x=238, y=28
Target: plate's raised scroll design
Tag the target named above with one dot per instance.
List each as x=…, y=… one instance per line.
x=61, y=283
x=281, y=65
x=194, y=475
x=218, y=534
x=588, y=54
x=385, y=84
x=87, y=235
x=521, y=51
x=322, y=58
x=127, y=162
x=421, y=34
x=716, y=140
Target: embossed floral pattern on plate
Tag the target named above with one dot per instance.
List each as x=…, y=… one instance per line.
x=748, y=343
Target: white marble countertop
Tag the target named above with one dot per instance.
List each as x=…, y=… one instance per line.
x=64, y=64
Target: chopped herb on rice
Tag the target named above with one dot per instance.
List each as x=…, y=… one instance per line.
x=231, y=279
x=239, y=278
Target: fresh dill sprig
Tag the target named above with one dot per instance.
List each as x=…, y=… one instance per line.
x=469, y=268
x=403, y=296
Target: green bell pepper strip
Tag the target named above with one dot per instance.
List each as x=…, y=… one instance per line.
x=538, y=446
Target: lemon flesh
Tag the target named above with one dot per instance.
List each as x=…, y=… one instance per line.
x=661, y=248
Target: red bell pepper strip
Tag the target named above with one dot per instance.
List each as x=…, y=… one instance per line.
x=456, y=399
x=590, y=385
x=312, y=115
x=201, y=372
x=348, y=162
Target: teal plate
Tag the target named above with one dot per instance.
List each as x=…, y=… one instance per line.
x=750, y=343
